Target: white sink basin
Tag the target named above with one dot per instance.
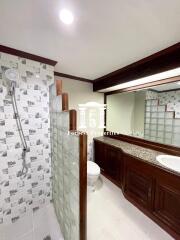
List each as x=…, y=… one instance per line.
x=169, y=161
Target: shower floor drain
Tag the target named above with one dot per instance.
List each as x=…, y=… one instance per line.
x=47, y=238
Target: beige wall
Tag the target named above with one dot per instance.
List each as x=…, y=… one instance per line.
x=139, y=111
x=125, y=113
x=79, y=93
x=120, y=112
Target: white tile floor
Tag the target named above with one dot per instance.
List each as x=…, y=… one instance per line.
x=33, y=226
x=112, y=217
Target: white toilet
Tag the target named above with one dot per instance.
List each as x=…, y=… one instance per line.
x=93, y=173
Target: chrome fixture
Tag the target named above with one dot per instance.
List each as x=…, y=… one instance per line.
x=12, y=76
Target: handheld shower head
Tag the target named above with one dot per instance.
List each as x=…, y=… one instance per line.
x=12, y=74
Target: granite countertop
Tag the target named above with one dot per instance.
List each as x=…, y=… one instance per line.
x=144, y=154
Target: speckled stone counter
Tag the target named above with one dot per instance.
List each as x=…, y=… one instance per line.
x=144, y=154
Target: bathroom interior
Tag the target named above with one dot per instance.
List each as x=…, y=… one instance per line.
x=89, y=140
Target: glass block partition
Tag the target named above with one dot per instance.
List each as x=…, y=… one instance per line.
x=161, y=125
x=69, y=163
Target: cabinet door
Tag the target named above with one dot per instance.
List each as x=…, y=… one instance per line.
x=114, y=164
x=167, y=201
x=99, y=154
x=138, y=182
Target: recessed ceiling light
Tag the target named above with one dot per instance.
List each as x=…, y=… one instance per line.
x=66, y=16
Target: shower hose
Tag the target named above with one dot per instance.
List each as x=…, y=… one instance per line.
x=24, y=170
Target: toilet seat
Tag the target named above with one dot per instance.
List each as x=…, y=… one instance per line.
x=92, y=168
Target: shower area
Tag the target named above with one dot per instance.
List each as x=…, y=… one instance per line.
x=43, y=158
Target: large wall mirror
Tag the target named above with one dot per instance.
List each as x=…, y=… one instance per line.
x=152, y=114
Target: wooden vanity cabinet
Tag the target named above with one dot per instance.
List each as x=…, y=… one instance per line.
x=109, y=159
x=100, y=155
x=154, y=191
x=167, y=200
x=138, y=182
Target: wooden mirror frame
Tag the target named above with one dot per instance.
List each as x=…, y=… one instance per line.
x=161, y=147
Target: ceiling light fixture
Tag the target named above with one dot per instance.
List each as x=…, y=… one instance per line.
x=66, y=16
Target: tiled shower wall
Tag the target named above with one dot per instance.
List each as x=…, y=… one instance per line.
x=20, y=195
x=65, y=170
x=162, y=117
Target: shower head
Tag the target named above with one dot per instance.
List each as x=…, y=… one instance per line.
x=12, y=74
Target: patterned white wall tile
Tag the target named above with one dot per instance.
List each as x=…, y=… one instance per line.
x=19, y=195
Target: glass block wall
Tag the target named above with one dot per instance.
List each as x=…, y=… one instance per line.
x=161, y=121
x=65, y=170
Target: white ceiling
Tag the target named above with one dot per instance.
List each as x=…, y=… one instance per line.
x=106, y=34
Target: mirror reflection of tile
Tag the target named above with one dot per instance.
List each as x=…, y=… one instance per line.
x=151, y=114
x=162, y=117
